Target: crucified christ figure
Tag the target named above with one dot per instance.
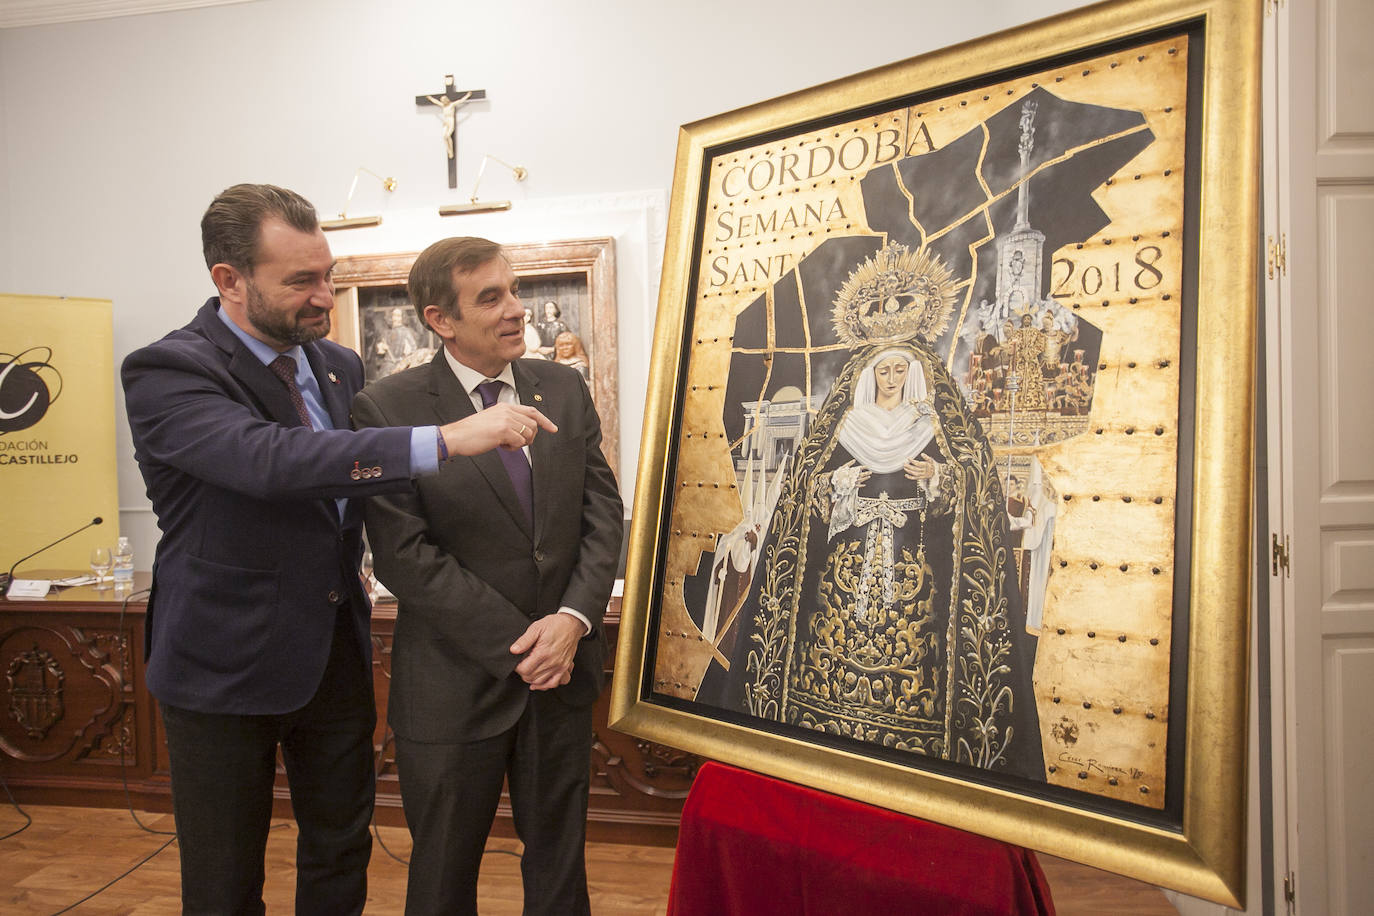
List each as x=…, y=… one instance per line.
x=448, y=116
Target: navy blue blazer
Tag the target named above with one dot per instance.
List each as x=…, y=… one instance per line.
x=254, y=561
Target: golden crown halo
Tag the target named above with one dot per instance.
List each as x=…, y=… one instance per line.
x=895, y=295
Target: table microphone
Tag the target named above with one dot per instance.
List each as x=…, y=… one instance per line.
x=9, y=576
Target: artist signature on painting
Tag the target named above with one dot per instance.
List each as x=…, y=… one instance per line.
x=1093, y=765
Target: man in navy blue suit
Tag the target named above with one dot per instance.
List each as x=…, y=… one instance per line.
x=258, y=625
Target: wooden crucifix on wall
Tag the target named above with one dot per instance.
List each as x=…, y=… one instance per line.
x=448, y=102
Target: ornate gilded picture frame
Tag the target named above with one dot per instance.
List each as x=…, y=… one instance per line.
x=569, y=290
x=944, y=497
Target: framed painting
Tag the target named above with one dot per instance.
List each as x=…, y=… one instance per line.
x=569, y=292
x=944, y=498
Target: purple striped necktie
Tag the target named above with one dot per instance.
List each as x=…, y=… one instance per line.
x=517, y=465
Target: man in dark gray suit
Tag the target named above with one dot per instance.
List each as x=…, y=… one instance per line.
x=258, y=626
x=502, y=565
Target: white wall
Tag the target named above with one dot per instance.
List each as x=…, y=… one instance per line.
x=115, y=134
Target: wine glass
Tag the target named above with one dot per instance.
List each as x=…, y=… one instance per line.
x=100, y=565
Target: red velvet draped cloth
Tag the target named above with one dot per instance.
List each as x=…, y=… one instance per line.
x=755, y=846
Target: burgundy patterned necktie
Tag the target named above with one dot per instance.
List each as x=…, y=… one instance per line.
x=517, y=465
x=284, y=368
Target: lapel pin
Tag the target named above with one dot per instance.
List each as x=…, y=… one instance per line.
x=539, y=397
x=333, y=378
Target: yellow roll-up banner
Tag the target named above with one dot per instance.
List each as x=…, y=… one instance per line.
x=57, y=430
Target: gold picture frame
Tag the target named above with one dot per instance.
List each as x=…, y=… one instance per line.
x=1041, y=633
x=576, y=276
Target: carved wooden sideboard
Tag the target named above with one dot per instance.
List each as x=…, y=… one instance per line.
x=79, y=724
x=77, y=721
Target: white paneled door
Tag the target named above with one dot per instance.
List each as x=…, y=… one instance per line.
x=1319, y=226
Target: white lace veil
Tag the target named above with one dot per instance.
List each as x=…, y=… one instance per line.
x=882, y=440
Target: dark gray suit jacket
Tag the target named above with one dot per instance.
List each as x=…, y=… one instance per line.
x=467, y=571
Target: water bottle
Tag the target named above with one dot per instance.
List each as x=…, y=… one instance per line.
x=123, y=564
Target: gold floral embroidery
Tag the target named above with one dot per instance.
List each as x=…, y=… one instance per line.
x=893, y=647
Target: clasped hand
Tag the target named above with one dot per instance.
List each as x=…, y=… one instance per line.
x=551, y=642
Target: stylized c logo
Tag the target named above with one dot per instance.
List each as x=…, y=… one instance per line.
x=24, y=396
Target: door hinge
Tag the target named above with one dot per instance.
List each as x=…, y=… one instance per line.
x=1279, y=555
x=1290, y=892
x=1272, y=6
x=1278, y=255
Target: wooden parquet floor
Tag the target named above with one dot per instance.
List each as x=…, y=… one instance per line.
x=68, y=853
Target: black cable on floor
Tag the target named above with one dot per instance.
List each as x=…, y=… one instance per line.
x=113, y=882
x=377, y=834
x=376, y=781
x=28, y=821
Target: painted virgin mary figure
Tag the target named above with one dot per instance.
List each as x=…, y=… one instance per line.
x=885, y=607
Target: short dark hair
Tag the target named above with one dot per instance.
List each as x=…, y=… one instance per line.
x=231, y=225
x=431, y=276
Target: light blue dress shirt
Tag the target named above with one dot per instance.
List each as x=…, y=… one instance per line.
x=424, y=451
